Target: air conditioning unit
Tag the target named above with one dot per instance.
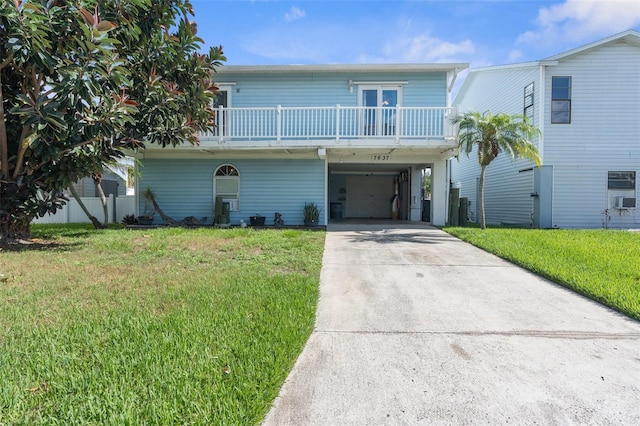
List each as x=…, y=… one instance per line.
x=625, y=203
x=233, y=204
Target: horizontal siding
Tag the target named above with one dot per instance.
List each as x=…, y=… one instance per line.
x=605, y=127
x=508, y=197
x=185, y=187
x=507, y=187
x=88, y=188
x=500, y=91
x=507, y=191
x=425, y=90
x=267, y=90
x=604, y=134
x=580, y=198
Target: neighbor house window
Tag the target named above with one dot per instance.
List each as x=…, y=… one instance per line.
x=226, y=184
x=622, y=180
x=528, y=101
x=560, y=100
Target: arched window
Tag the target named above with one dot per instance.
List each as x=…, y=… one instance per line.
x=226, y=184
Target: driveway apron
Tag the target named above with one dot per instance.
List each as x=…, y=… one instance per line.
x=417, y=327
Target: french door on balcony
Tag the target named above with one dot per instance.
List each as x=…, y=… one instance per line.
x=379, y=114
x=223, y=99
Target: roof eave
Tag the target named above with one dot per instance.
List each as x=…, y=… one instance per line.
x=340, y=68
x=630, y=36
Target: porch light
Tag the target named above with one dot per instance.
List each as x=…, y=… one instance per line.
x=350, y=86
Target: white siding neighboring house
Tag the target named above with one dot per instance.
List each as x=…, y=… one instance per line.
x=586, y=101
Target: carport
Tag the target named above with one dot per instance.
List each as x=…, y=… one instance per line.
x=370, y=191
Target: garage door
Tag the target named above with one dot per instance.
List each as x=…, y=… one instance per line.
x=369, y=196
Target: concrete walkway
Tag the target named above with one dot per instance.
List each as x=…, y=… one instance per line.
x=417, y=327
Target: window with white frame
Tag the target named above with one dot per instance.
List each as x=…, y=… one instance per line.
x=528, y=101
x=380, y=103
x=560, y=100
x=621, y=187
x=222, y=99
x=226, y=184
x=622, y=181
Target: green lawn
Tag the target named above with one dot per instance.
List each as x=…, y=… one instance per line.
x=165, y=326
x=601, y=264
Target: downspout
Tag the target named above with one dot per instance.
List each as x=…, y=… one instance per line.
x=447, y=190
x=541, y=126
x=541, y=111
x=322, y=154
x=447, y=162
x=327, y=205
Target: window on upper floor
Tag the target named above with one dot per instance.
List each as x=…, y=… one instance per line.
x=560, y=100
x=380, y=103
x=528, y=101
x=223, y=99
x=226, y=184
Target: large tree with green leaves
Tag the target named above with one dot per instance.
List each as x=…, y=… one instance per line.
x=492, y=134
x=82, y=82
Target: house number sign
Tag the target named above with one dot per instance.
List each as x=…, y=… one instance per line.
x=380, y=157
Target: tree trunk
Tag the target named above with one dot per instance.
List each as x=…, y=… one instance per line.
x=164, y=217
x=483, y=224
x=4, y=147
x=12, y=226
x=103, y=200
x=94, y=220
x=19, y=229
x=11, y=230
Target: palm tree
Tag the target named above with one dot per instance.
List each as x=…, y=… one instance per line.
x=493, y=134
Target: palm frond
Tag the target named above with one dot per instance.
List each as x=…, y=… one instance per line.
x=492, y=134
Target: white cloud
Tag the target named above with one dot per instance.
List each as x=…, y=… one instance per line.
x=294, y=14
x=433, y=49
x=514, y=56
x=424, y=48
x=361, y=41
x=580, y=20
x=300, y=45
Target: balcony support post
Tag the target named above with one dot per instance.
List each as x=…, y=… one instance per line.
x=397, y=124
x=220, y=123
x=278, y=124
x=338, y=123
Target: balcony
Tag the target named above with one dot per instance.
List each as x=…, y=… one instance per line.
x=332, y=126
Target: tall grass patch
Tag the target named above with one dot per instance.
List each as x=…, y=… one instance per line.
x=153, y=327
x=601, y=264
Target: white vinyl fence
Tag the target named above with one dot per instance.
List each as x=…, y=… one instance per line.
x=72, y=213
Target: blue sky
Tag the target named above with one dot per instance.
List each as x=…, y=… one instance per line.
x=482, y=33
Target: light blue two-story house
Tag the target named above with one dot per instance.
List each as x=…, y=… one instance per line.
x=586, y=101
x=354, y=139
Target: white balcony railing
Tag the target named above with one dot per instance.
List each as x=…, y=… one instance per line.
x=298, y=125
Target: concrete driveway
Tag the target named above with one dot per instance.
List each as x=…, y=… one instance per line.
x=417, y=327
